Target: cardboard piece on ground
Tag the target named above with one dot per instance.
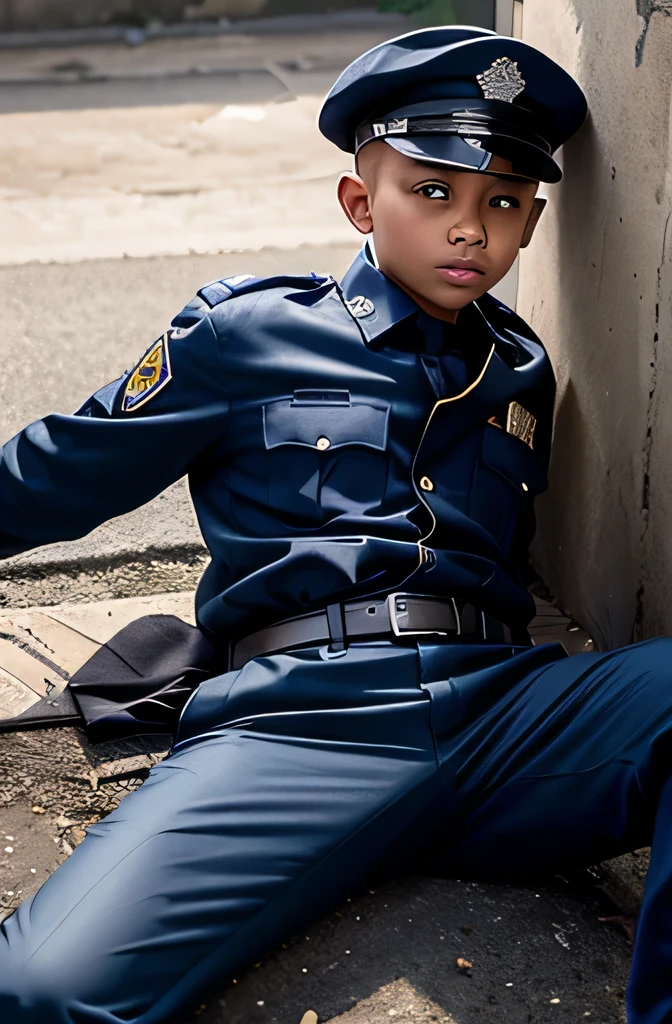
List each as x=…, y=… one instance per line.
x=15, y=696
x=40, y=648
x=25, y=665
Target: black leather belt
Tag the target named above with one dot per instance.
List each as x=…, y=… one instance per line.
x=396, y=616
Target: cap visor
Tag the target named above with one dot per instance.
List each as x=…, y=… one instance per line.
x=455, y=151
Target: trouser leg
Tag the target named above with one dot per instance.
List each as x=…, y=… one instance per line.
x=567, y=767
x=241, y=835
x=650, y=992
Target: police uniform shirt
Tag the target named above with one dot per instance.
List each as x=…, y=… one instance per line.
x=329, y=453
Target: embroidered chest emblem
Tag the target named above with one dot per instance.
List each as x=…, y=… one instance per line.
x=149, y=376
x=521, y=423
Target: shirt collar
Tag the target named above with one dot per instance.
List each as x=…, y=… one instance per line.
x=390, y=303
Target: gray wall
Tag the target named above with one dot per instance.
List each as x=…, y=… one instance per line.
x=596, y=284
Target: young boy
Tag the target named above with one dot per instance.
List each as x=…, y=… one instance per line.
x=363, y=460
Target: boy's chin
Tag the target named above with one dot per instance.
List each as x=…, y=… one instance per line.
x=453, y=303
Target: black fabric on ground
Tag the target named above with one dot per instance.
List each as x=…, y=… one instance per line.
x=137, y=683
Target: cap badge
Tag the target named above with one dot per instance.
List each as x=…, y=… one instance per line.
x=502, y=81
x=360, y=306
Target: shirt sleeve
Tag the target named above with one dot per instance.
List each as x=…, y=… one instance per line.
x=62, y=476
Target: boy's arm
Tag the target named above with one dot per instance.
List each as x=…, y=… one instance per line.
x=64, y=475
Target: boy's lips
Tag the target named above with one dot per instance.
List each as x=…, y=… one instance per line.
x=461, y=271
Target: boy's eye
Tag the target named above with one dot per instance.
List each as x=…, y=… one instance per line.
x=505, y=202
x=433, y=191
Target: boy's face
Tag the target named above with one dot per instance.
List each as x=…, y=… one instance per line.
x=445, y=236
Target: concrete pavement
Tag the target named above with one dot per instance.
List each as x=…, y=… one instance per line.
x=171, y=165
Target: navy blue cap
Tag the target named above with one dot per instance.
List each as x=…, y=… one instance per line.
x=456, y=96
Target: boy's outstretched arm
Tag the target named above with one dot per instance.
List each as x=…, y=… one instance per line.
x=62, y=476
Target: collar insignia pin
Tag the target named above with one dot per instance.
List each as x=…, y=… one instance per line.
x=502, y=81
x=360, y=306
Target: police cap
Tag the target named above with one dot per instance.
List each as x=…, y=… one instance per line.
x=457, y=95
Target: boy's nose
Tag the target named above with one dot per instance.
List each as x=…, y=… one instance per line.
x=467, y=234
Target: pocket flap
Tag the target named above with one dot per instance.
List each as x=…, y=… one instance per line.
x=513, y=459
x=290, y=422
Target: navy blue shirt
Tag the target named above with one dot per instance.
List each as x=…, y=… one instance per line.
x=335, y=448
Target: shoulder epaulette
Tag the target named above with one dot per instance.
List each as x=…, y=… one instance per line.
x=228, y=287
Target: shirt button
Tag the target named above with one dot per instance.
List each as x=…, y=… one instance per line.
x=426, y=484
x=322, y=443
x=525, y=487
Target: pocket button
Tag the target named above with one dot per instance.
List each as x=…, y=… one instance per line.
x=426, y=484
x=322, y=443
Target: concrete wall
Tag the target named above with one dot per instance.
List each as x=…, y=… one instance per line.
x=596, y=284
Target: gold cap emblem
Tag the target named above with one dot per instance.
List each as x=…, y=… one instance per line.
x=502, y=81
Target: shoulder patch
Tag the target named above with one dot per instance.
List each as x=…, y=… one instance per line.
x=150, y=375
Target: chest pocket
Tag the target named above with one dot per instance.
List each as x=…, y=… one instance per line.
x=327, y=454
x=508, y=476
x=325, y=419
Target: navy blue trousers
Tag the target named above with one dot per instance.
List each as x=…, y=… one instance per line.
x=294, y=777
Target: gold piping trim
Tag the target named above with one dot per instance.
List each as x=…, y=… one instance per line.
x=442, y=401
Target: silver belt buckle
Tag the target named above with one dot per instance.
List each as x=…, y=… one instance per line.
x=396, y=607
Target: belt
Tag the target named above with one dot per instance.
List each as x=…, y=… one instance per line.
x=394, y=617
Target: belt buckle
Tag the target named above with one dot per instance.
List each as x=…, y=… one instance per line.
x=393, y=611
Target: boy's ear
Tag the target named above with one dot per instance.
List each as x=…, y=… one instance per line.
x=532, y=221
x=353, y=196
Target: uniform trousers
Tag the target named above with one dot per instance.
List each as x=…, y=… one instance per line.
x=295, y=776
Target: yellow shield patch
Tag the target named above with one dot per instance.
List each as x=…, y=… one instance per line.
x=149, y=376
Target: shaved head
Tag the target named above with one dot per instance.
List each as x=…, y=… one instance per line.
x=369, y=161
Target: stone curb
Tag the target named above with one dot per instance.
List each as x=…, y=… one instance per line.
x=84, y=78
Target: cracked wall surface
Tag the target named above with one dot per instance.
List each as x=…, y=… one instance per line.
x=596, y=284
x=646, y=10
